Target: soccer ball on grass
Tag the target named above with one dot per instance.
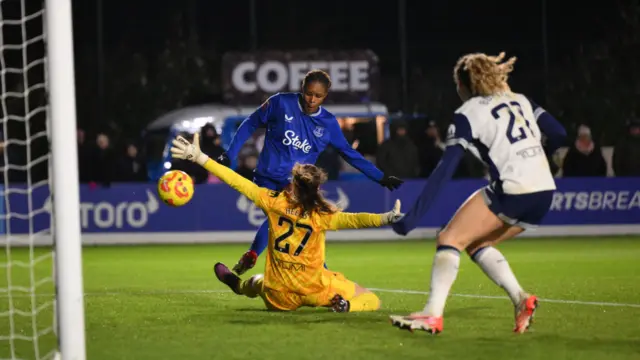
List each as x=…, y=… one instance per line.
x=175, y=188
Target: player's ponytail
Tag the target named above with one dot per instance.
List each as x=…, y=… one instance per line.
x=483, y=75
x=306, y=189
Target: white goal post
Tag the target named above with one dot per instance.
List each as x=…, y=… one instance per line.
x=66, y=202
x=43, y=312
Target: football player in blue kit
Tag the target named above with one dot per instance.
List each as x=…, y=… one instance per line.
x=298, y=129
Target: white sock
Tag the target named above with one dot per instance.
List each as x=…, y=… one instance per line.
x=443, y=273
x=493, y=263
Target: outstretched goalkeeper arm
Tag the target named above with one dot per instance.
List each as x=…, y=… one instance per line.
x=183, y=149
x=344, y=220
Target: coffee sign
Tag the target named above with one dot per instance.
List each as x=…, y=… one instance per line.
x=250, y=77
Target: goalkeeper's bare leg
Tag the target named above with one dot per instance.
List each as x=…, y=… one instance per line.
x=251, y=287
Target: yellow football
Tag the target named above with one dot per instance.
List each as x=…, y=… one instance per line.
x=175, y=188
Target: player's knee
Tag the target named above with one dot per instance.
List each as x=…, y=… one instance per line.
x=255, y=283
x=473, y=249
x=447, y=238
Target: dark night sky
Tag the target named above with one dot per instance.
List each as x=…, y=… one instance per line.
x=437, y=31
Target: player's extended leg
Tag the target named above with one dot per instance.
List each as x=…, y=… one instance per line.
x=261, y=240
x=471, y=222
x=342, y=295
x=362, y=300
x=496, y=267
x=248, y=260
x=251, y=287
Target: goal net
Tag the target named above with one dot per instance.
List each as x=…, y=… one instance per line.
x=30, y=297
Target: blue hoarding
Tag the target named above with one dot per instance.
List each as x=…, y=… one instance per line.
x=216, y=207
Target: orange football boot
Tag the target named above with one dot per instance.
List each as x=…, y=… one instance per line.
x=418, y=321
x=524, y=313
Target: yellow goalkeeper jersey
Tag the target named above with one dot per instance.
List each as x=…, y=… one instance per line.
x=296, y=249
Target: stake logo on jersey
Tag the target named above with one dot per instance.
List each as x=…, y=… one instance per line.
x=293, y=140
x=504, y=131
x=295, y=137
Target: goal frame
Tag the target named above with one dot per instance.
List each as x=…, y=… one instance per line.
x=65, y=189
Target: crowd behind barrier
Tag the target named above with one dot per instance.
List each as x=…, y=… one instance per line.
x=133, y=214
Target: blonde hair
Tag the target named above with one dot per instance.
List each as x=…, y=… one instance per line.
x=484, y=75
x=306, y=192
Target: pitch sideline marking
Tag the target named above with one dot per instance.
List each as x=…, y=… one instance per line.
x=476, y=296
x=397, y=291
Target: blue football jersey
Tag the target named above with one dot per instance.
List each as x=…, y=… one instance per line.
x=295, y=137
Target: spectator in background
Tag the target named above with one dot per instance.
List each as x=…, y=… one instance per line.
x=210, y=145
x=584, y=158
x=247, y=164
x=84, y=157
x=132, y=168
x=347, y=125
x=330, y=161
x=471, y=166
x=626, y=153
x=399, y=155
x=197, y=172
x=431, y=150
x=103, y=161
x=210, y=141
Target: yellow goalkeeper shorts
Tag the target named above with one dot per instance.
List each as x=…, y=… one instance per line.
x=288, y=301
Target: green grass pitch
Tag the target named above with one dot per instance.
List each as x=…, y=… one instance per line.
x=162, y=302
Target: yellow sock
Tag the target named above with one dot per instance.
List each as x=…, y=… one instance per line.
x=252, y=287
x=364, y=302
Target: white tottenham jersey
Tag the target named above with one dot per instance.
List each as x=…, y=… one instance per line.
x=503, y=131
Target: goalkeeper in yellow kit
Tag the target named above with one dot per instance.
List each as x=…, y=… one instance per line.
x=298, y=218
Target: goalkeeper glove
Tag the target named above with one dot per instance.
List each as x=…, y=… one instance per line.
x=224, y=159
x=183, y=149
x=391, y=182
x=392, y=216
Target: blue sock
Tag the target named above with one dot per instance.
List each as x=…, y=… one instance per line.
x=262, y=238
